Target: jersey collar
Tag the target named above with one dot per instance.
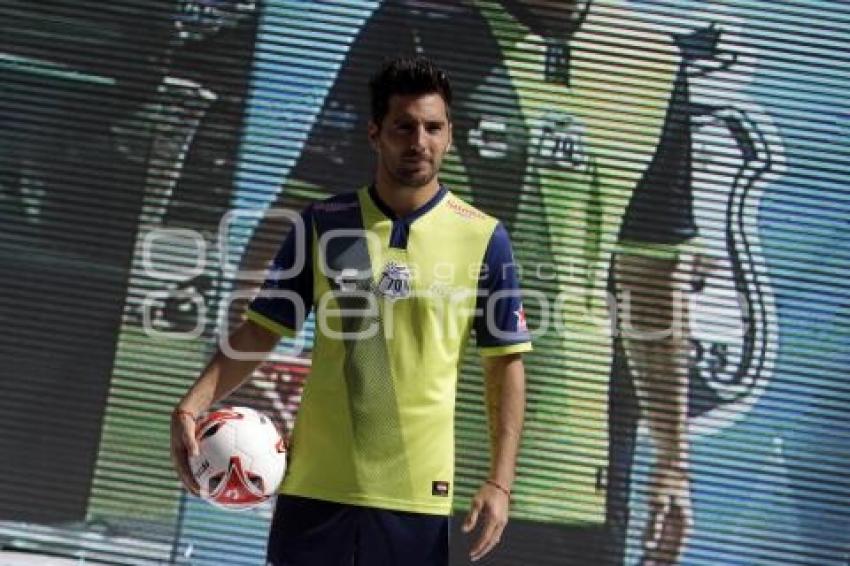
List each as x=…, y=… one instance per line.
x=408, y=218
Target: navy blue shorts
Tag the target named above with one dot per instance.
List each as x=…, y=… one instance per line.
x=311, y=532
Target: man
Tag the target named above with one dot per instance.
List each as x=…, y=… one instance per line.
x=398, y=272
x=565, y=127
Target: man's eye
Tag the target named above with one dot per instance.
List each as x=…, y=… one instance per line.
x=435, y=129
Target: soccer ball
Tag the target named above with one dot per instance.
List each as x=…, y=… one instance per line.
x=242, y=458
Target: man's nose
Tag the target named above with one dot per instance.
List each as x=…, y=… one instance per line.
x=418, y=137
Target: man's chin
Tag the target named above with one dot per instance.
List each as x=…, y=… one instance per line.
x=416, y=180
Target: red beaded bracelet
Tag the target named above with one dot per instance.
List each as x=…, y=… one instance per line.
x=500, y=487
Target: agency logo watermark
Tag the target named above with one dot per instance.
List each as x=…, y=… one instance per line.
x=554, y=299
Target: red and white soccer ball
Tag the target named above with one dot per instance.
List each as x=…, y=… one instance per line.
x=242, y=458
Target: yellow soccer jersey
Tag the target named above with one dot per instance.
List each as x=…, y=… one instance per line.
x=395, y=301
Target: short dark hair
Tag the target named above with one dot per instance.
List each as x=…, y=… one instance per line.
x=406, y=76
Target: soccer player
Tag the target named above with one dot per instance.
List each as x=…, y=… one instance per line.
x=398, y=273
x=568, y=125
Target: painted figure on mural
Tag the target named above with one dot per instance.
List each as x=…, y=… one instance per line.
x=574, y=123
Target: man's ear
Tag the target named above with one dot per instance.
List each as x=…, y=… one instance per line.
x=372, y=132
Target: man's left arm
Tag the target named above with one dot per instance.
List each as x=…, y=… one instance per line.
x=502, y=337
x=505, y=399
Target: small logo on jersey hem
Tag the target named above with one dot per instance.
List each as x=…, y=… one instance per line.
x=395, y=281
x=440, y=488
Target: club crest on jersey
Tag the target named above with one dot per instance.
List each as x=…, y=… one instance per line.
x=561, y=142
x=395, y=281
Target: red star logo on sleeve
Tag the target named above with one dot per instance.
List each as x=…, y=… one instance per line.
x=521, y=325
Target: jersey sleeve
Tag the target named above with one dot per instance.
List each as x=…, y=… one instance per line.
x=286, y=297
x=500, y=326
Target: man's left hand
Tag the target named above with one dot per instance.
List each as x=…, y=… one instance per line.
x=670, y=516
x=489, y=512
